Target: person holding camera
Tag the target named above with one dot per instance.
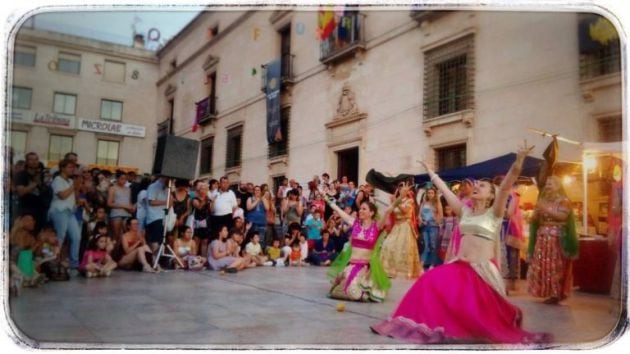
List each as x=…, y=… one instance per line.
x=33, y=193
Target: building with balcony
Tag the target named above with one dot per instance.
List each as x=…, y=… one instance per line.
x=90, y=97
x=384, y=89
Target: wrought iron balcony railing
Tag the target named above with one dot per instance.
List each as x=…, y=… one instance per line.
x=207, y=109
x=346, y=39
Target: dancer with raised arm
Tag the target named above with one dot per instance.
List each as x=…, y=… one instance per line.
x=357, y=273
x=465, y=300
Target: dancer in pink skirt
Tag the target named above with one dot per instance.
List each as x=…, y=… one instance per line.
x=464, y=301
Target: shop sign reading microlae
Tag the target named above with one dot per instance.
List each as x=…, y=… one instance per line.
x=115, y=128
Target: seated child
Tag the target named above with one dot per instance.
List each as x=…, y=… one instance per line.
x=286, y=249
x=275, y=253
x=47, y=255
x=254, y=249
x=22, y=243
x=96, y=261
x=295, y=257
x=101, y=229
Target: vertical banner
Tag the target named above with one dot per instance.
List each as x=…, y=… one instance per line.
x=202, y=110
x=272, y=90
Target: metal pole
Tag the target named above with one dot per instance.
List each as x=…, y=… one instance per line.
x=162, y=245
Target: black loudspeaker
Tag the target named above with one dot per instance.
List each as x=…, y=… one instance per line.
x=176, y=157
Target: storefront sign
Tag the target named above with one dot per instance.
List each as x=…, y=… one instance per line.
x=45, y=119
x=99, y=126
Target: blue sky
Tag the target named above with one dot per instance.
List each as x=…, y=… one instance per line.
x=118, y=26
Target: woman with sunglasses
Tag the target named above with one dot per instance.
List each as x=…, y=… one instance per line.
x=465, y=301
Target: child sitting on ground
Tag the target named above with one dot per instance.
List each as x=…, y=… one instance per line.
x=101, y=229
x=254, y=249
x=47, y=251
x=295, y=257
x=286, y=249
x=21, y=243
x=275, y=253
x=96, y=261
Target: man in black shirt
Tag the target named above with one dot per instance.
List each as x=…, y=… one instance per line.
x=33, y=193
x=242, y=193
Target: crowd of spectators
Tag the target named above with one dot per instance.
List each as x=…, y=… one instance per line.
x=71, y=220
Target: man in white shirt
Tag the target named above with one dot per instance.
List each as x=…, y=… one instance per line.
x=224, y=206
x=292, y=186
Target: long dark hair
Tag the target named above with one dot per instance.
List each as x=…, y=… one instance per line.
x=93, y=244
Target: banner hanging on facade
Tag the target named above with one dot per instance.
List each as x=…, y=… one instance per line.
x=111, y=128
x=272, y=91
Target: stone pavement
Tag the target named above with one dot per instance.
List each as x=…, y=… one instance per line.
x=258, y=308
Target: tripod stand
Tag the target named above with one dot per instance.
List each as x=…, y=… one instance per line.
x=163, y=246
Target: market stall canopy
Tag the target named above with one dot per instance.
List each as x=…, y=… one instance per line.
x=486, y=169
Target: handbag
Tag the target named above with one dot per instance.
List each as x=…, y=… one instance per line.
x=270, y=215
x=190, y=220
x=171, y=219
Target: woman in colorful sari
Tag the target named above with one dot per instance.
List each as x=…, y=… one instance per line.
x=465, y=300
x=553, y=244
x=511, y=238
x=400, y=249
x=357, y=273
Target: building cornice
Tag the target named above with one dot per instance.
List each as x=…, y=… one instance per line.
x=149, y=57
x=206, y=46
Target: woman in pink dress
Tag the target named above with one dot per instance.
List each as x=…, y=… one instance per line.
x=465, y=300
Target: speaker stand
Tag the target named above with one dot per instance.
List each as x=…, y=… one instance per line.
x=163, y=246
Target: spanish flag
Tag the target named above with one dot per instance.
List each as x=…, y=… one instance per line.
x=325, y=23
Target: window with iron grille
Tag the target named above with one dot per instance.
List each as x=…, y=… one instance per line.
x=281, y=148
x=205, y=160
x=69, y=63
x=24, y=56
x=234, y=147
x=600, y=52
x=59, y=145
x=349, y=31
x=21, y=97
x=610, y=129
x=286, y=72
x=451, y=157
x=449, y=78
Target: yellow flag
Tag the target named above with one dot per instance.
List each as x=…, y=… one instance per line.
x=602, y=31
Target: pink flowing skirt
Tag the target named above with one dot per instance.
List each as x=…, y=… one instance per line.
x=452, y=303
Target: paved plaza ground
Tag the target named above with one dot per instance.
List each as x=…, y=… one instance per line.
x=258, y=308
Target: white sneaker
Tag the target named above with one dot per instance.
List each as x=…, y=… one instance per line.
x=268, y=264
x=280, y=264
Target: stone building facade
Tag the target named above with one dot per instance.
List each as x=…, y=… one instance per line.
x=75, y=94
x=389, y=88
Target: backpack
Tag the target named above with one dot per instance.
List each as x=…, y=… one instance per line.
x=55, y=271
